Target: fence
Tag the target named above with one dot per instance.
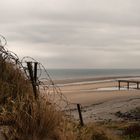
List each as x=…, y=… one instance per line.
x=41, y=85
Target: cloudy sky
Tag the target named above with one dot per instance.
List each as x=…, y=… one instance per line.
x=74, y=33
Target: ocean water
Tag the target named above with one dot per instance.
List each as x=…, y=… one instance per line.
x=58, y=74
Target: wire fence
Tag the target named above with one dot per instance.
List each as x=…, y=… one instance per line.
x=46, y=88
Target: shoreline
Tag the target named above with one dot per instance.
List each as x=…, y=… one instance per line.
x=92, y=79
x=100, y=105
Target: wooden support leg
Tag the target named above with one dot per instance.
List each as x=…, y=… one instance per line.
x=137, y=85
x=119, y=85
x=128, y=85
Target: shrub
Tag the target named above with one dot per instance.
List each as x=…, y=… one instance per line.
x=132, y=131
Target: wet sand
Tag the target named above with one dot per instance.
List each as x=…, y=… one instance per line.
x=101, y=98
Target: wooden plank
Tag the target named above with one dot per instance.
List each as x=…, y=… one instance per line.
x=130, y=81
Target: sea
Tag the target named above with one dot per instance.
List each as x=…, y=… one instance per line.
x=61, y=74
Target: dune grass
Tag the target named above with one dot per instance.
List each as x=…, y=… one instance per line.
x=31, y=119
x=35, y=119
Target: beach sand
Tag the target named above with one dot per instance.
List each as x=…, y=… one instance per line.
x=100, y=99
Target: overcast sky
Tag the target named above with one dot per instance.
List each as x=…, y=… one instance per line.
x=74, y=33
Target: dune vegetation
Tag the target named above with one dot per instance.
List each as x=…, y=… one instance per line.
x=22, y=117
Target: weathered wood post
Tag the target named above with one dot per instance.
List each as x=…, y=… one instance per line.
x=35, y=71
x=119, y=85
x=128, y=85
x=80, y=115
x=32, y=77
x=137, y=85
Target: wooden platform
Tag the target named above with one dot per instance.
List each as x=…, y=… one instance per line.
x=128, y=82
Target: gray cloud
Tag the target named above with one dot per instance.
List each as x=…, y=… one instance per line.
x=74, y=33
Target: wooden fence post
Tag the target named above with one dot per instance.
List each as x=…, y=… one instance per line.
x=33, y=77
x=80, y=115
x=119, y=85
x=128, y=85
x=35, y=71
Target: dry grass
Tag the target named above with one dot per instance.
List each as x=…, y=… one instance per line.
x=34, y=119
x=37, y=119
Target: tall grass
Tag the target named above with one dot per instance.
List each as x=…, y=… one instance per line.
x=36, y=119
x=33, y=119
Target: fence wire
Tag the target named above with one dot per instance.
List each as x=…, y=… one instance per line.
x=47, y=89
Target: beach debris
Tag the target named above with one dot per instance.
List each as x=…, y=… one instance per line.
x=130, y=115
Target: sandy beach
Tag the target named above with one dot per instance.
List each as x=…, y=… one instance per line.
x=100, y=98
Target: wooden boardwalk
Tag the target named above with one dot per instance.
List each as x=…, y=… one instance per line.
x=128, y=82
